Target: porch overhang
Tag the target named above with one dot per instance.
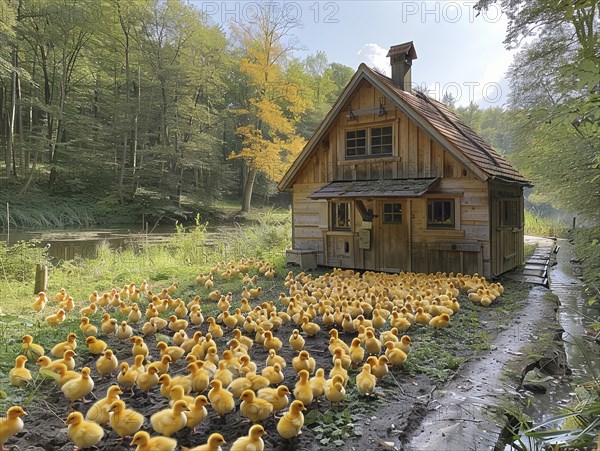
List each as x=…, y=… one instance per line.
x=387, y=188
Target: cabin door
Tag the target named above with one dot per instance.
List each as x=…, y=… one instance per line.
x=509, y=234
x=393, y=235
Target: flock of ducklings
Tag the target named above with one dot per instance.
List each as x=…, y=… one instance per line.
x=375, y=309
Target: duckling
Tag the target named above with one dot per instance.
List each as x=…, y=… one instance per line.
x=303, y=361
x=271, y=342
x=11, y=424
x=345, y=358
x=139, y=346
x=123, y=421
x=89, y=310
x=372, y=344
x=167, y=383
x=291, y=422
x=160, y=323
x=394, y=355
x=79, y=387
x=214, y=329
x=61, y=295
x=244, y=341
x=214, y=295
x=86, y=327
x=149, y=327
x=276, y=396
x=84, y=434
x=107, y=363
x=124, y=331
x=138, y=365
x=126, y=378
x=59, y=349
x=336, y=342
x=257, y=380
x=253, y=408
x=175, y=352
x=64, y=375
x=274, y=374
x=19, y=376
x=220, y=399
x=215, y=440
x=240, y=384
x=180, y=337
x=338, y=370
x=357, y=352
x=317, y=383
x=57, y=318
x=176, y=324
x=296, y=341
x=200, y=377
x=334, y=389
x=99, y=412
x=31, y=350
x=95, y=346
x=273, y=358
x=169, y=421
x=134, y=315
x=310, y=328
x=223, y=374
x=365, y=381
x=146, y=443
x=303, y=390
x=379, y=367
x=197, y=412
x=441, y=321
x=145, y=381
x=196, y=316
x=108, y=325
x=252, y=441
x=40, y=301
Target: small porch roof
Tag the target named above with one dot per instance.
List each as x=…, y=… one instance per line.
x=374, y=188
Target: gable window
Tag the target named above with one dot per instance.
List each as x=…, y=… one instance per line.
x=374, y=141
x=392, y=213
x=440, y=213
x=340, y=215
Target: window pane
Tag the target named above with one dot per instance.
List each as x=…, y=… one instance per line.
x=381, y=141
x=392, y=213
x=440, y=213
x=340, y=215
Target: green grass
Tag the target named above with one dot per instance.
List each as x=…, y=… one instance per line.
x=539, y=225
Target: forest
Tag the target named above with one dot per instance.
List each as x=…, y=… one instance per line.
x=159, y=112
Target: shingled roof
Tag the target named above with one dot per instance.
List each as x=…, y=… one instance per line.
x=456, y=136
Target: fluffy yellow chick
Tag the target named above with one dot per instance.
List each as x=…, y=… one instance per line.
x=357, y=352
x=94, y=345
x=161, y=365
x=84, y=434
x=372, y=343
x=365, y=381
x=296, y=341
x=64, y=375
x=86, y=327
x=40, y=301
x=57, y=318
x=139, y=346
x=197, y=412
x=273, y=358
x=253, y=441
x=145, y=381
x=379, y=367
x=11, y=424
x=274, y=374
x=123, y=421
x=291, y=422
x=59, y=349
x=144, y=442
x=124, y=331
x=220, y=399
x=441, y=321
x=99, y=412
x=178, y=392
x=126, y=378
x=309, y=327
x=175, y=352
x=168, y=421
x=338, y=369
x=215, y=440
x=345, y=358
x=303, y=361
x=176, y=324
x=317, y=383
x=276, y=396
x=394, y=355
x=31, y=350
x=303, y=390
x=253, y=408
x=107, y=363
x=138, y=366
x=79, y=387
x=19, y=376
x=200, y=377
x=334, y=389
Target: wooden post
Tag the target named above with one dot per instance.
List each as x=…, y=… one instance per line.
x=574, y=220
x=41, y=278
x=7, y=223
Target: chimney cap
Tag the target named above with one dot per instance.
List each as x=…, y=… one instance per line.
x=403, y=49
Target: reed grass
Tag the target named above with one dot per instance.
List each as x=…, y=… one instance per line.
x=539, y=225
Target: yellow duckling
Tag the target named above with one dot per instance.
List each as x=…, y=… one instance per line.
x=441, y=321
x=161, y=365
x=95, y=346
x=395, y=356
x=124, y=331
x=178, y=392
x=274, y=374
x=303, y=361
x=139, y=346
x=126, y=377
x=214, y=329
x=244, y=341
x=145, y=381
x=334, y=389
x=86, y=327
x=168, y=421
x=197, y=412
x=271, y=342
x=59, y=349
x=107, y=363
x=89, y=310
x=180, y=337
x=149, y=327
x=79, y=387
x=200, y=377
x=84, y=434
x=40, y=301
x=336, y=342
x=68, y=304
x=317, y=383
x=176, y=324
x=273, y=358
x=223, y=374
x=19, y=376
x=372, y=343
x=345, y=358
x=61, y=295
x=64, y=375
x=309, y=327
x=253, y=408
x=291, y=422
x=123, y=421
x=365, y=381
x=57, y=318
x=296, y=341
x=214, y=443
x=108, y=326
x=303, y=390
x=379, y=367
x=99, y=412
x=252, y=441
x=339, y=370
x=175, y=352
x=31, y=350
x=11, y=424
x=404, y=344
x=357, y=352
x=144, y=442
x=135, y=315
x=220, y=399
x=276, y=396
x=138, y=365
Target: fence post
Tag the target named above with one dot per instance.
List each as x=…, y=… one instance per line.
x=41, y=278
x=574, y=221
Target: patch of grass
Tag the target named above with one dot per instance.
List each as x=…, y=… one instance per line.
x=539, y=225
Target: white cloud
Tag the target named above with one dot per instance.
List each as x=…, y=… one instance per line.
x=374, y=56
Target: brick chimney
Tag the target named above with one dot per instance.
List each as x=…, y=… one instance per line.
x=401, y=58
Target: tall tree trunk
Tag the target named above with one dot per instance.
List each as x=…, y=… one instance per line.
x=248, y=187
x=9, y=152
x=127, y=107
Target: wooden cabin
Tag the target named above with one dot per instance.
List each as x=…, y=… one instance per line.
x=393, y=180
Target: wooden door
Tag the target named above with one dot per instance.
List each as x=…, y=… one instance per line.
x=392, y=235
x=509, y=234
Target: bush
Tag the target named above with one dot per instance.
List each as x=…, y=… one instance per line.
x=18, y=261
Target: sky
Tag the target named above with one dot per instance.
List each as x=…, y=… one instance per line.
x=458, y=51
